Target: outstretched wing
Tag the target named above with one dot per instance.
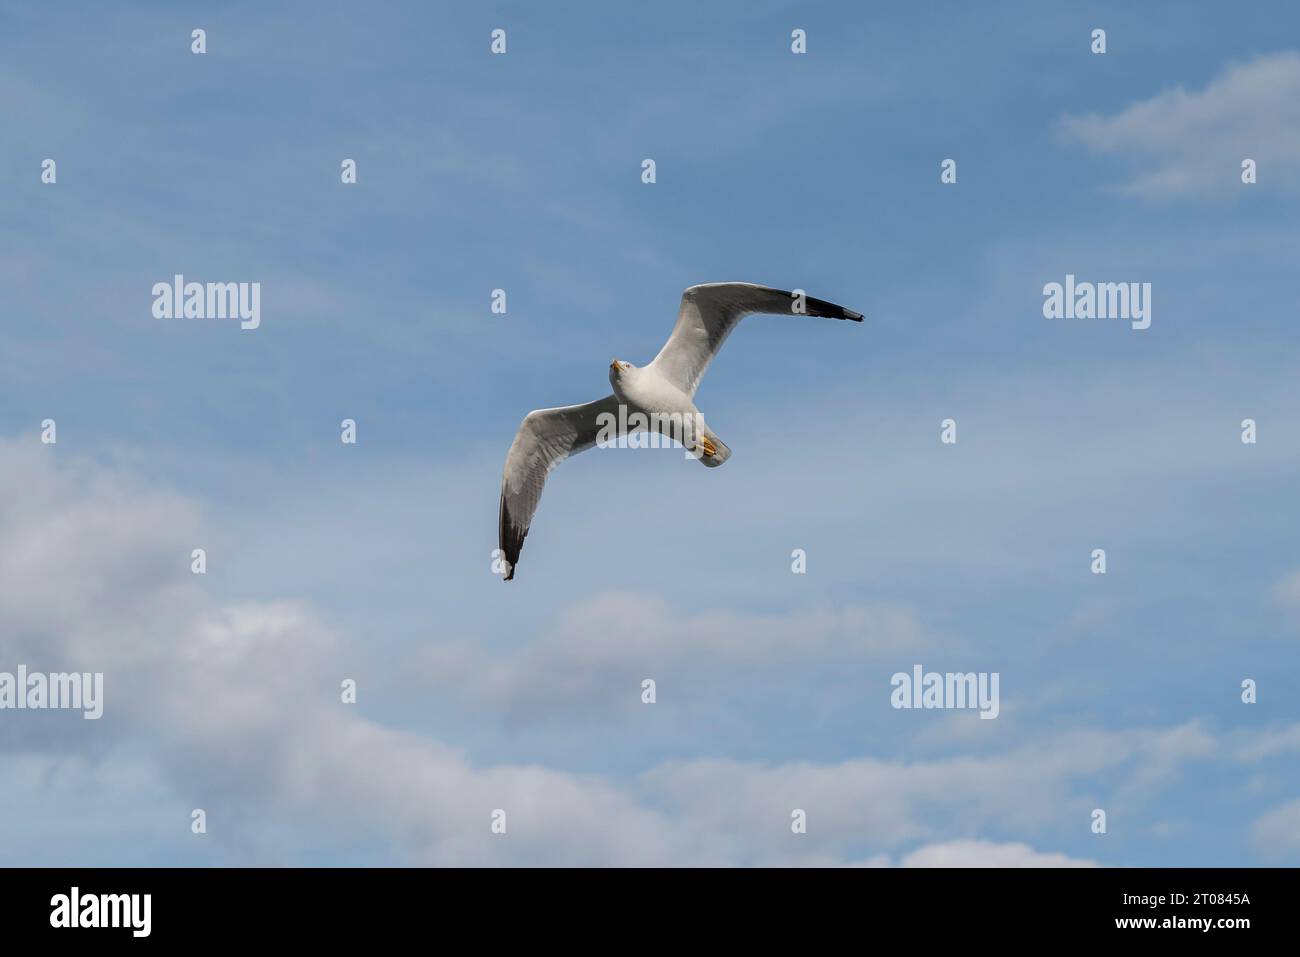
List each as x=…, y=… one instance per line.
x=545, y=439
x=708, y=314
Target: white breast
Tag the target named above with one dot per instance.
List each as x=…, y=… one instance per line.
x=647, y=389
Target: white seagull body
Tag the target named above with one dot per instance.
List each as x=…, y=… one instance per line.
x=663, y=392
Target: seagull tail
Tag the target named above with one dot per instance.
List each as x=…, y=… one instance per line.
x=721, y=452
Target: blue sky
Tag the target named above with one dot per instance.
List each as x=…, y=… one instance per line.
x=522, y=171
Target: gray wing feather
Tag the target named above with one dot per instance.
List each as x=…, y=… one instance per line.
x=545, y=438
x=709, y=312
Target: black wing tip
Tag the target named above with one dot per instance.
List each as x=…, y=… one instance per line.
x=511, y=540
x=511, y=557
x=822, y=308
x=829, y=310
x=510, y=548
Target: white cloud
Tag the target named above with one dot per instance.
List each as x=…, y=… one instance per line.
x=987, y=854
x=1194, y=142
x=237, y=706
x=892, y=803
x=602, y=647
x=1277, y=833
x=1259, y=745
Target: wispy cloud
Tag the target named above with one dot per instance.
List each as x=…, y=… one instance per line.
x=988, y=854
x=1277, y=833
x=1189, y=143
x=602, y=648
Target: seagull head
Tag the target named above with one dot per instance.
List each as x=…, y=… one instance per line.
x=617, y=367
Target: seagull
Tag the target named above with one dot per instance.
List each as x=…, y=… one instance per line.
x=662, y=393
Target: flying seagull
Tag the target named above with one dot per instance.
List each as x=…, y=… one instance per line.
x=662, y=392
